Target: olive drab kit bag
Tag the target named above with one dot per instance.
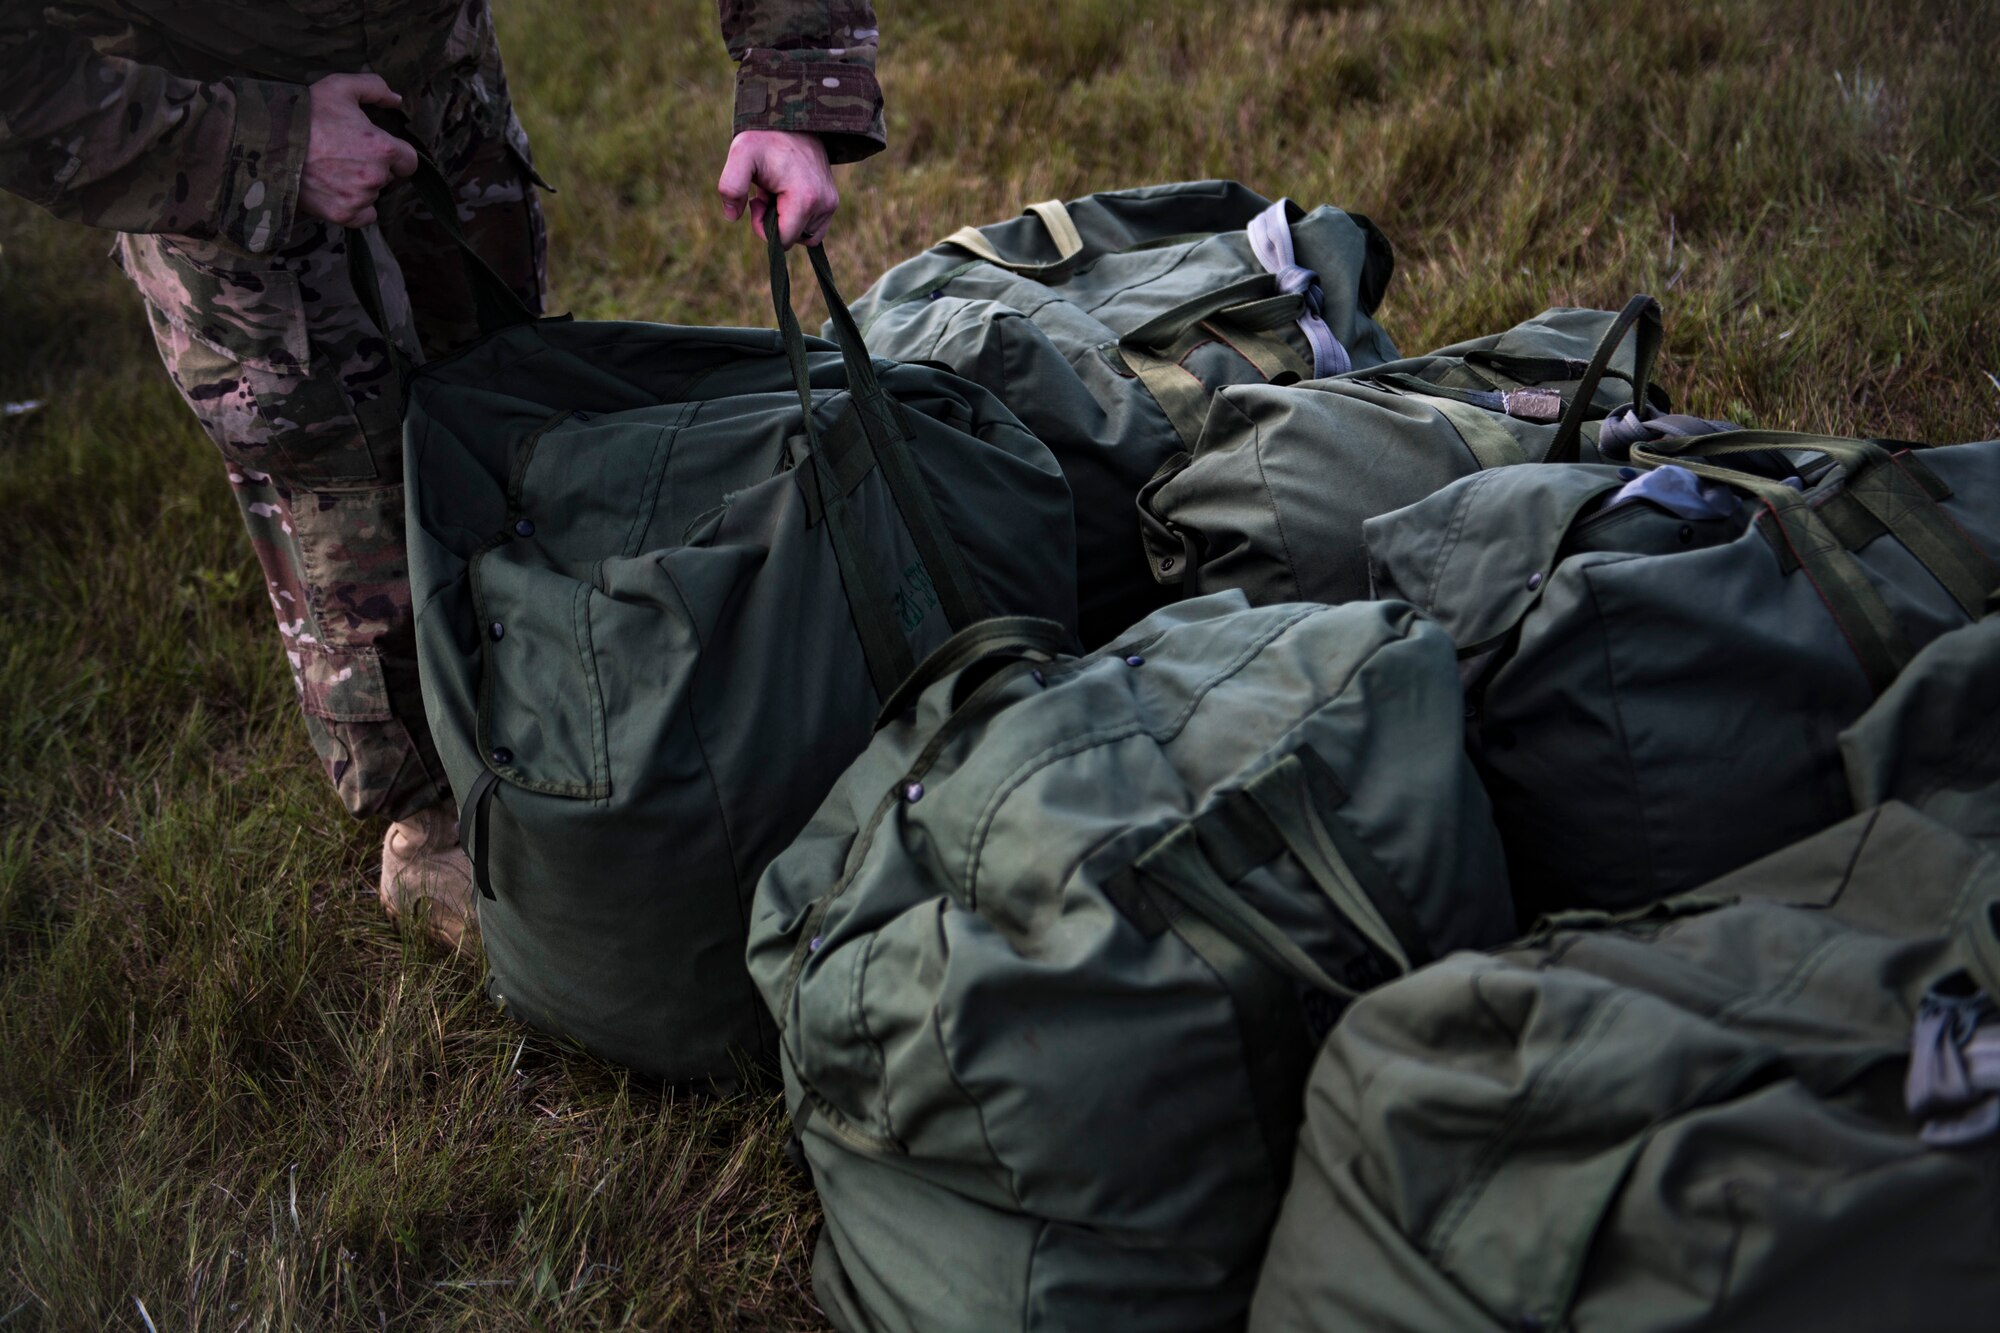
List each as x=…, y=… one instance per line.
x=1770, y=1104
x=664, y=577
x=1271, y=498
x=1933, y=739
x=1661, y=658
x=1108, y=323
x=1049, y=963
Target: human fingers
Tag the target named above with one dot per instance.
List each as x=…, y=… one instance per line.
x=792, y=219
x=821, y=222
x=371, y=90
x=402, y=156
x=806, y=194
x=739, y=171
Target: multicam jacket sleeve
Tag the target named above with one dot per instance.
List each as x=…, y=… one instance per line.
x=129, y=146
x=807, y=65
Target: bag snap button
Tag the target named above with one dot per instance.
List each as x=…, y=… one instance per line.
x=524, y=528
x=502, y=755
x=1135, y=660
x=497, y=630
x=1534, y=580
x=913, y=792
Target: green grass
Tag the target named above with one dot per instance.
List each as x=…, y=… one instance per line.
x=231, y=1091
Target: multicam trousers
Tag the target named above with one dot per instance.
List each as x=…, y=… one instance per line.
x=295, y=384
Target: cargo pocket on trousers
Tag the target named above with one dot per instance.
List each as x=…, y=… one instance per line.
x=236, y=340
x=340, y=685
x=355, y=567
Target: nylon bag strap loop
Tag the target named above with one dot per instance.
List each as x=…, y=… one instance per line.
x=1054, y=215
x=1010, y=638
x=1484, y=438
x=1178, y=391
x=1641, y=312
x=1863, y=618
x=1259, y=292
x=1895, y=488
x=475, y=827
x=883, y=644
x=496, y=305
x=1291, y=794
x=888, y=433
x=1177, y=866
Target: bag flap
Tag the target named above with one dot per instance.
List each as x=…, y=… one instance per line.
x=1476, y=555
x=541, y=713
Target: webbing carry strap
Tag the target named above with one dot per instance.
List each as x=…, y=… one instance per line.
x=888, y=431
x=475, y=826
x=1179, y=391
x=1278, y=810
x=1005, y=638
x=1061, y=228
x=883, y=643
x=1484, y=438
x=1898, y=492
x=496, y=305
x=1257, y=962
x=1644, y=313
x=1246, y=315
x=1887, y=480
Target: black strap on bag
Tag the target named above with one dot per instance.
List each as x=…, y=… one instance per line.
x=1641, y=312
x=996, y=642
x=1895, y=492
x=1184, y=883
x=496, y=305
x=884, y=434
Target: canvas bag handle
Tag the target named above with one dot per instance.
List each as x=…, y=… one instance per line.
x=1006, y=639
x=496, y=305
x=1054, y=215
x=1896, y=489
x=1642, y=313
x=886, y=436
x=1900, y=494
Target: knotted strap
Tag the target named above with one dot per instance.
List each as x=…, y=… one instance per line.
x=1271, y=241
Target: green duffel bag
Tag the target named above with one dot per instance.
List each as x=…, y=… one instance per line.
x=1049, y=964
x=1731, y=1111
x=1272, y=497
x=1107, y=324
x=1665, y=659
x=663, y=578
x=1933, y=739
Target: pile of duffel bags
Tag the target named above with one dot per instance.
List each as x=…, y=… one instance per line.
x=1216, y=841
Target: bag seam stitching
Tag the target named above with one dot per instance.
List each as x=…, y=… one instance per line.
x=1078, y=744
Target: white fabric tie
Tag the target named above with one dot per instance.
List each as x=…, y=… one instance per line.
x=1271, y=241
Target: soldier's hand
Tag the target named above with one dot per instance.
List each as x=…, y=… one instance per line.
x=792, y=168
x=349, y=160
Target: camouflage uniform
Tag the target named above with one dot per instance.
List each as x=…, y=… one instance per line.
x=185, y=127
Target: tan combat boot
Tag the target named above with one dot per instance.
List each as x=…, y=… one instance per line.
x=426, y=874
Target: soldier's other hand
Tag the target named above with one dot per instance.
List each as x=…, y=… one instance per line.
x=792, y=168
x=349, y=160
